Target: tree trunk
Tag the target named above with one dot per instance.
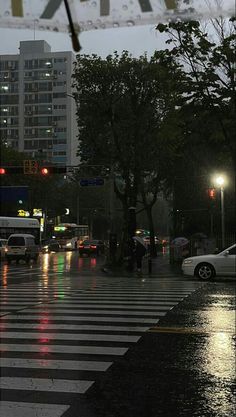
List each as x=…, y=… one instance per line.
x=153, y=249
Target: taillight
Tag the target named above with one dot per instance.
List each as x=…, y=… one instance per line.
x=80, y=246
x=93, y=247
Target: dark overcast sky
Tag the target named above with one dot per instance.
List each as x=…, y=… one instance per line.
x=102, y=42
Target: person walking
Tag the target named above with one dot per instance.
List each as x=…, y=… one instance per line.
x=129, y=254
x=140, y=252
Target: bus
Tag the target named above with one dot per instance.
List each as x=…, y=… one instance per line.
x=69, y=235
x=22, y=225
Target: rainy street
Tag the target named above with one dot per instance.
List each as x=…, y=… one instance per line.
x=76, y=342
x=117, y=208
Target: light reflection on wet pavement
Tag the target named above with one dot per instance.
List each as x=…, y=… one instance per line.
x=184, y=367
x=54, y=264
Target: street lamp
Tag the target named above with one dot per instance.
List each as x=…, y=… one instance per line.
x=220, y=182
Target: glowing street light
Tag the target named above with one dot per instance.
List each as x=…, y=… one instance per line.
x=220, y=182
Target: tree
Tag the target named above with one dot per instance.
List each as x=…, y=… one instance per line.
x=208, y=117
x=123, y=104
x=209, y=69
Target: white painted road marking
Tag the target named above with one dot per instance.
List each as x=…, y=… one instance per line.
x=114, y=304
x=62, y=317
x=47, y=326
x=86, y=350
x=55, y=364
x=70, y=336
x=126, y=312
x=18, y=409
x=41, y=384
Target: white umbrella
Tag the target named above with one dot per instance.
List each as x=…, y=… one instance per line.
x=180, y=241
x=140, y=240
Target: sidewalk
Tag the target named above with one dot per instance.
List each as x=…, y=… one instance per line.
x=159, y=266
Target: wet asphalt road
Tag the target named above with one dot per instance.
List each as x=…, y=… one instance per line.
x=182, y=365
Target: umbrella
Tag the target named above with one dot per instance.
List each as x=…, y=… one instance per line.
x=140, y=240
x=180, y=241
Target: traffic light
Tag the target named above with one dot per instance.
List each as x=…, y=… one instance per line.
x=44, y=171
x=31, y=167
x=49, y=170
x=8, y=170
x=212, y=193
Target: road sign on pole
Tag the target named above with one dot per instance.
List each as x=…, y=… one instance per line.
x=30, y=166
x=86, y=182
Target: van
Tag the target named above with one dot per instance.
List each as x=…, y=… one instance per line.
x=21, y=246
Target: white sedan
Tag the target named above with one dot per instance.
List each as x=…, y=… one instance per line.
x=206, y=267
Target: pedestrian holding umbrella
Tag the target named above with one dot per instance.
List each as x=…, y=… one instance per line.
x=140, y=251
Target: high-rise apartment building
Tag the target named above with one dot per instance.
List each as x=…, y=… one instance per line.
x=37, y=113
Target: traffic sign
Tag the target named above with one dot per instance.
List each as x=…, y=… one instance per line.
x=86, y=182
x=30, y=166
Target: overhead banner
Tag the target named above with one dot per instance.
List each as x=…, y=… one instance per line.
x=101, y=14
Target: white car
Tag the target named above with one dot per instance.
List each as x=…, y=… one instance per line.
x=21, y=246
x=207, y=267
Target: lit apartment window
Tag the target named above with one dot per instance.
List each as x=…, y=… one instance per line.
x=5, y=88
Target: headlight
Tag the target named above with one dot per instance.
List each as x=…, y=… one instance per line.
x=187, y=261
x=68, y=244
x=45, y=247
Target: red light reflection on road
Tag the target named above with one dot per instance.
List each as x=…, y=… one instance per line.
x=42, y=327
x=93, y=262
x=93, y=284
x=2, y=349
x=45, y=363
x=44, y=349
x=5, y=270
x=81, y=263
x=44, y=340
x=44, y=320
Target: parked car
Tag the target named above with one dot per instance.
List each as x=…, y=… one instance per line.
x=91, y=247
x=50, y=245
x=3, y=243
x=21, y=246
x=206, y=267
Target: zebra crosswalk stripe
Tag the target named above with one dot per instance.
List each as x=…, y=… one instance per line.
x=70, y=336
x=40, y=331
x=86, y=350
x=42, y=384
x=25, y=409
x=127, y=312
x=97, y=366
x=78, y=327
x=69, y=318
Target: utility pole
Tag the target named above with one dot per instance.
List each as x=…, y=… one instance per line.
x=77, y=206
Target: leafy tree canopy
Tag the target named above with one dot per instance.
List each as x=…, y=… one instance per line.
x=209, y=66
